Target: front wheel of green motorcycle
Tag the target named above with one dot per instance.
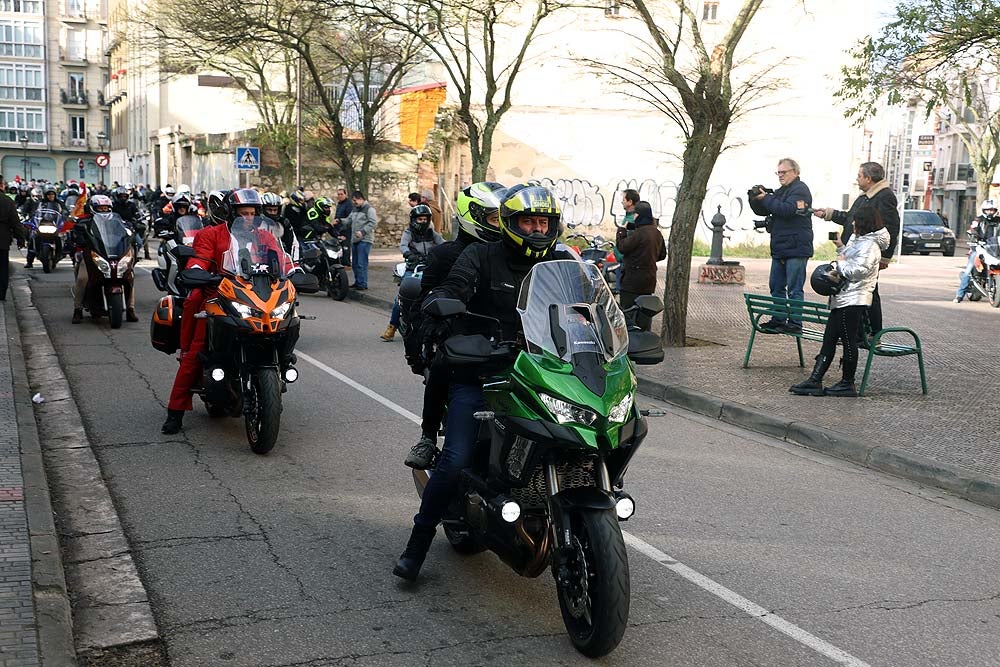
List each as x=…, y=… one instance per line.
x=594, y=591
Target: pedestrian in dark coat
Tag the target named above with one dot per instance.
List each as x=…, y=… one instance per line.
x=10, y=229
x=641, y=249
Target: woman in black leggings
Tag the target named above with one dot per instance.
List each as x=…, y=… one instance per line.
x=857, y=263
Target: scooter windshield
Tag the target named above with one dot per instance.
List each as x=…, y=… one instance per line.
x=566, y=308
x=254, y=250
x=187, y=227
x=112, y=237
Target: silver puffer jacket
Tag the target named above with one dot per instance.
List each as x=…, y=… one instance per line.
x=860, y=268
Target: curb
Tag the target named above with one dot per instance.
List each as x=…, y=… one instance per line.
x=110, y=606
x=53, y=616
x=976, y=488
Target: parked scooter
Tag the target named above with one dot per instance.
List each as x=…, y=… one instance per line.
x=109, y=253
x=560, y=427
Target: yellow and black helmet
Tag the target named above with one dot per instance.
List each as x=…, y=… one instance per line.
x=533, y=200
x=475, y=204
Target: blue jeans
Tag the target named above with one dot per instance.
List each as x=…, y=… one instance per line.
x=461, y=431
x=787, y=279
x=359, y=258
x=963, y=282
x=394, y=317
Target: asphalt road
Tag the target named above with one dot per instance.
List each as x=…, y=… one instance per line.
x=744, y=551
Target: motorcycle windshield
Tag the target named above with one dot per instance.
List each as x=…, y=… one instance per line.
x=111, y=236
x=566, y=308
x=47, y=218
x=254, y=250
x=187, y=227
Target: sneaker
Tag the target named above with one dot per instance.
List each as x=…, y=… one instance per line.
x=957, y=299
x=422, y=454
x=791, y=327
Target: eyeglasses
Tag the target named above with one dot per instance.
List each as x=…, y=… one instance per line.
x=782, y=172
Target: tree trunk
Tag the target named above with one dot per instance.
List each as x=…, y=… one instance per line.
x=702, y=151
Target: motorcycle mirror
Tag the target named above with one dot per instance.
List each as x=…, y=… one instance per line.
x=444, y=307
x=644, y=348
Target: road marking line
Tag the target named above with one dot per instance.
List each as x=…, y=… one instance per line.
x=360, y=387
x=735, y=599
x=743, y=604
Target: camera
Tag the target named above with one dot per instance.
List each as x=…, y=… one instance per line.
x=764, y=224
x=833, y=236
x=756, y=190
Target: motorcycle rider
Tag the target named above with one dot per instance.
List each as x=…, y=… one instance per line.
x=478, y=222
x=180, y=206
x=417, y=240
x=272, y=209
x=50, y=201
x=295, y=210
x=487, y=278
x=98, y=204
x=983, y=228
x=210, y=245
x=160, y=205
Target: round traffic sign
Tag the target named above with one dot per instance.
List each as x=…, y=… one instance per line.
x=102, y=160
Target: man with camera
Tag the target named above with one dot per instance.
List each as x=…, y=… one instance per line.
x=787, y=210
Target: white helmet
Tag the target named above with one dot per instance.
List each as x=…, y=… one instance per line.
x=169, y=191
x=988, y=205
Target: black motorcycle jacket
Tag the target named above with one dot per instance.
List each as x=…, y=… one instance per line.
x=487, y=277
x=984, y=228
x=126, y=210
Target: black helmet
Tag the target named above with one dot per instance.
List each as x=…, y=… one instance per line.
x=420, y=211
x=525, y=199
x=120, y=193
x=475, y=204
x=218, y=209
x=243, y=197
x=826, y=280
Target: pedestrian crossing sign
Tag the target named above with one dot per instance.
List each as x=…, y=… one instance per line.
x=248, y=159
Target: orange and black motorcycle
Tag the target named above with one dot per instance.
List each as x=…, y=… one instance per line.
x=252, y=328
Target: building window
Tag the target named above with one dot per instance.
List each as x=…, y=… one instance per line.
x=22, y=39
x=77, y=129
x=612, y=7
x=74, y=8
x=18, y=121
x=76, y=45
x=710, y=11
x=76, y=89
x=21, y=82
x=21, y=6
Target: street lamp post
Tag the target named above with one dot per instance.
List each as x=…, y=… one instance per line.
x=24, y=159
x=101, y=139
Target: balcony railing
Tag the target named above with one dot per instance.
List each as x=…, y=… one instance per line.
x=79, y=97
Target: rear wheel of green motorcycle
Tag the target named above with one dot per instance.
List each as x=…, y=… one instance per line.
x=594, y=599
x=263, y=414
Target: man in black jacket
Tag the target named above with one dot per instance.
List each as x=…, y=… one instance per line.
x=487, y=278
x=10, y=229
x=478, y=222
x=875, y=191
x=787, y=209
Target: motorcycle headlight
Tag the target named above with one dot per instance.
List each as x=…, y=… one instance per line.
x=567, y=412
x=620, y=412
x=123, y=264
x=279, y=312
x=241, y=308
x=332, y=254
x=102, y=264
x=47, y=229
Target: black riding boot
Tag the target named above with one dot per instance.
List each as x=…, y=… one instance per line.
x=846, y=385
x=408, y=566
x=813, y=385
x=173, y=423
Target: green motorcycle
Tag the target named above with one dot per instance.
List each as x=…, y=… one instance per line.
x=560, y=428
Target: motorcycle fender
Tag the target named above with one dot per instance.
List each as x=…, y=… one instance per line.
x=116, y=289
x=583, y=497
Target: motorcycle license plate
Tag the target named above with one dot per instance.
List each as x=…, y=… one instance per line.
x=932, y=245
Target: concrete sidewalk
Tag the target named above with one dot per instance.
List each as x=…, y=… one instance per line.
x=949, y=438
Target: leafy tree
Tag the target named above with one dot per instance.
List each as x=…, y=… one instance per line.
x=944, y=54
x=482, y=45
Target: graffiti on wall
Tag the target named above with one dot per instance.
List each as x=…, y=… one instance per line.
x=581, y=201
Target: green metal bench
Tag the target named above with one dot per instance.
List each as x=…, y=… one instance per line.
x=814, y=316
